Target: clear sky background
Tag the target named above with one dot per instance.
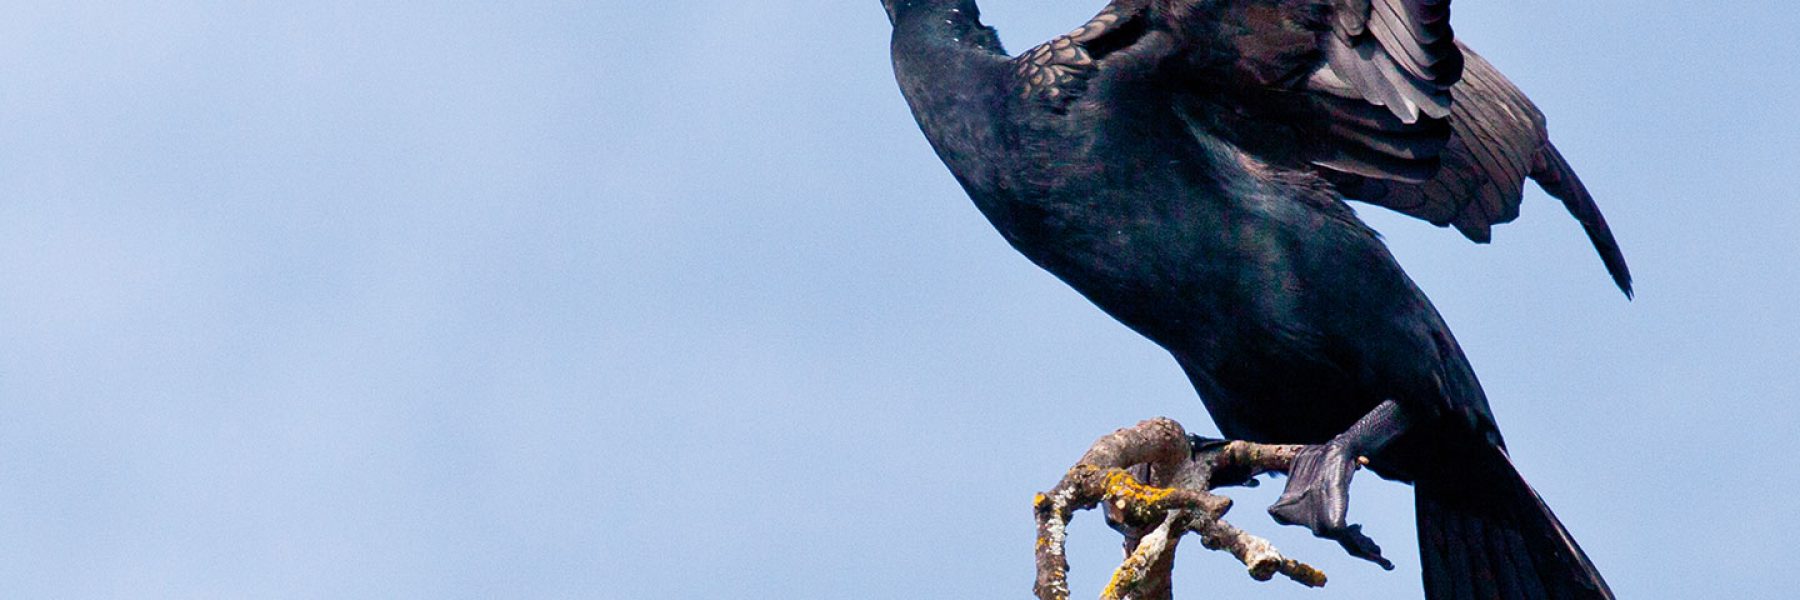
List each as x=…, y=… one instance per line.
x=617, y=299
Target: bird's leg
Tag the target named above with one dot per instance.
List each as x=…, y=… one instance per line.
x=1318, y=489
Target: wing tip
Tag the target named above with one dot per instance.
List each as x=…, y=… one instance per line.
x=1622, y=278
x=1552, y=172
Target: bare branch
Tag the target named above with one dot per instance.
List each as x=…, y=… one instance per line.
x=1152, y=479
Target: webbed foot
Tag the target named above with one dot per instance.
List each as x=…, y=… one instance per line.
x=1318, y=498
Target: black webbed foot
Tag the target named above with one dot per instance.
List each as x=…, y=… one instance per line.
x=1318, y=498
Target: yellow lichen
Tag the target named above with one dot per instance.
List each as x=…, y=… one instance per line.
x=1120, y=484
x=1127, y=577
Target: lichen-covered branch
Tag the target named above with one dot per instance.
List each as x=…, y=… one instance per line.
x=1152, y=478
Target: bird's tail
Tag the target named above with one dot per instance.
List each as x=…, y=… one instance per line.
x=1485, y=534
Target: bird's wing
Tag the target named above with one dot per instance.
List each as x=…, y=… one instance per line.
x=1361, y=87
x=1498, y=138
x=1375, y=95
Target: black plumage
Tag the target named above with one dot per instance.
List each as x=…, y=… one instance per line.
x=1184, y=164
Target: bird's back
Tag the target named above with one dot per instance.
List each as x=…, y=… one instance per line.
x=1286, y=310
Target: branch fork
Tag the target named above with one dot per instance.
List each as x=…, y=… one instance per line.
x=1155, y=483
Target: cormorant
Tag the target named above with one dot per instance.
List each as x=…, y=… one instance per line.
x=1184, y=164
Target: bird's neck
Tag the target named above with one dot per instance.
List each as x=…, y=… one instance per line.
x=945, y=23
x=946, y=61
x=951, y=70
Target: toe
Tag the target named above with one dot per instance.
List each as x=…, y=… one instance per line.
x=1361, y=546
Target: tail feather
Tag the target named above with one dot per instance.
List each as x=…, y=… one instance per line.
x=1485, y=534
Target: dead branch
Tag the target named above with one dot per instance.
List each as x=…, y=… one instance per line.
x=1151, y=479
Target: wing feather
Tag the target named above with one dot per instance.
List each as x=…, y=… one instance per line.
x=1376, y=96
x=1498, y=140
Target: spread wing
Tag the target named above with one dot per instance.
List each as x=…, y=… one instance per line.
x=1498, y=139
x=1376, y=96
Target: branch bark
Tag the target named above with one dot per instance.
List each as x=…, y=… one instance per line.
x=1156, y=484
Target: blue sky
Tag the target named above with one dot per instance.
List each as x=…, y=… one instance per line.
x=610, y=300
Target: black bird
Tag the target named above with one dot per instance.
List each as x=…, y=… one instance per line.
x=1184, y=164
